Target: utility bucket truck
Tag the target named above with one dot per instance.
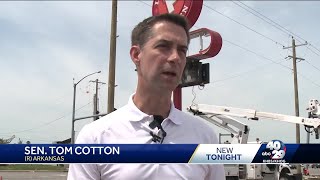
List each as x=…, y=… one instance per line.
x=224, y=117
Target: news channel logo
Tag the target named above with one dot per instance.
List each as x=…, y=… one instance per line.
x=274, y=152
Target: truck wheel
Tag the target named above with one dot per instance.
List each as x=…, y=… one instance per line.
x=284, y=177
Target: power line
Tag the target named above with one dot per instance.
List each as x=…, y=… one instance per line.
x=257, y=54
x=47, y=123
x=313, y=82
x=312, y=65
x=237, y=75
x=286, y=30
x=253, y=52
x=145, y=3
x=244, y=25
x=314, y=47
x=242, y=73
x=250, y=11
x=272, y=61
x=312, y=50
x=278, y=25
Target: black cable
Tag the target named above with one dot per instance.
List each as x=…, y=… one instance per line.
x=157, y=120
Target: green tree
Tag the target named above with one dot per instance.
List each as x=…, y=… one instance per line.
x=6, y=141
x=2, y=141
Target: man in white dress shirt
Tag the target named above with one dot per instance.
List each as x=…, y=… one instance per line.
x=159, y=47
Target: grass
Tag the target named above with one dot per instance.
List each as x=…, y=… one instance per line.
x=31, y=167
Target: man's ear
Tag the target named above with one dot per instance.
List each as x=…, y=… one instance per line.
x=134, y=54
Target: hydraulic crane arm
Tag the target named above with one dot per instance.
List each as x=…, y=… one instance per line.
x=209, y=112
x=239, y=130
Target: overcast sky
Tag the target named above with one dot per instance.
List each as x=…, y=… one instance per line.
x=44, y=45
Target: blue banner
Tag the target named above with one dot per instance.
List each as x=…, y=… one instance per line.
x=274, y=152
x=96, y=153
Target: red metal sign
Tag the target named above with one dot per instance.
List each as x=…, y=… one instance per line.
x=191, y=9
x=214, y=47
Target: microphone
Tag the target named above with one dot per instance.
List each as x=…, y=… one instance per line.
x=155, y=138
x=157, y=120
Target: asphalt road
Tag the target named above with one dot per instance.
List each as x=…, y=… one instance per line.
x=27, y=175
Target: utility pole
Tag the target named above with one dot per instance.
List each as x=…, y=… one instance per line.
x=112, y=59
x=296, y=96
x=96, y=100
x=95, y=107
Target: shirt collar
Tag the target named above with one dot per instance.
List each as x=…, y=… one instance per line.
x=138, y=115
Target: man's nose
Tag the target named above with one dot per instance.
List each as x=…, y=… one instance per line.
x=174, y=56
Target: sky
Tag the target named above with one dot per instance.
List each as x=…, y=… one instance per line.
x=45, y=45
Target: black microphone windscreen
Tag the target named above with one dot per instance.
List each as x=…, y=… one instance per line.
x=158, y=118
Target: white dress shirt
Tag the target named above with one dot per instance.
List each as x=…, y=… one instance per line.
x=129, y=125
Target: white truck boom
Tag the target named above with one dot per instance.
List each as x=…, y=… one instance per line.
x=222, y=116
x=213, y=113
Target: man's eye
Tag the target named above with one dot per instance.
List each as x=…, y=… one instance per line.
x=161, y=45
x=184, y=51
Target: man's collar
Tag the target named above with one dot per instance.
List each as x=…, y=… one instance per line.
x=174, y=115
x=138, y=115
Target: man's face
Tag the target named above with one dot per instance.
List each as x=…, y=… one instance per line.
x=163, y=57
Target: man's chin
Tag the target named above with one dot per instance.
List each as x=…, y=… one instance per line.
x=169, y=87
x=173, y=87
